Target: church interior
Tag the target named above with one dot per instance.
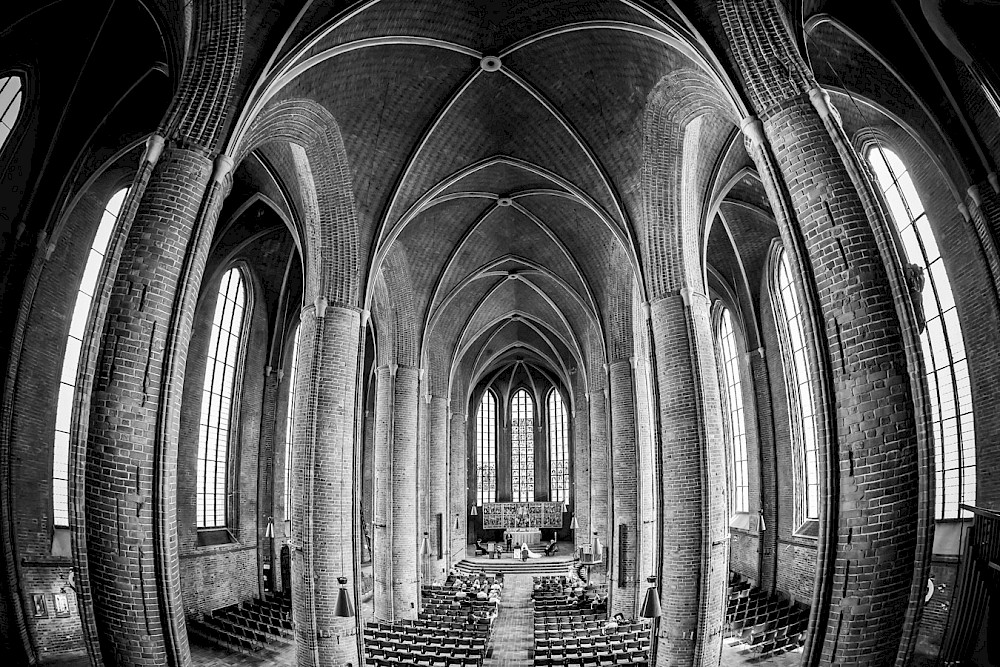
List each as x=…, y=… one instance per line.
x=473, y=333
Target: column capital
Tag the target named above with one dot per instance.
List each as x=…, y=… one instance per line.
x=154, y=149
x=820, y=99
x=392, y=369
x=222, y=167
x=321, y=304
x=753, y=129
x=974, y=195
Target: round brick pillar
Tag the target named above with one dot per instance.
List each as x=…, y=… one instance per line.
x=395, y=547
x=458, y=486
x=438, y=479
x=130, y=480
x=624, y=488
x=600, y=474
x=694, y=547
x=768, y=537
x=869, y=516
x=325, y=485
x=581, y=469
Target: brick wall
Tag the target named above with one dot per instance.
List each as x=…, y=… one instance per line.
x=623, y=467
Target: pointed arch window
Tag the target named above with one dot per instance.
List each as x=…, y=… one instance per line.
x=217, y=401
x=290, y=421
x=71, y=358
x=522, y=441
x=735, y=420
x=486, y=449
x=800, y=390
x=11, y=94
x=946, y=367
x=558, y=447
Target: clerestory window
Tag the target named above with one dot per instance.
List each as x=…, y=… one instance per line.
x=486, y=449
x=558, y=447
x=946, y=367
x=217, y=401
x=735, y=420
x=798, y=376
x=71, y=358
x=11, y=94
x=290, y=421
x=522, y=440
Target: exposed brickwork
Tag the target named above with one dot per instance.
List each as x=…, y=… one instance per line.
x=127, y=503
x=395, y=540
x=623, y=466
x=438, y=480
x=581, y=464
x=458, y=484
x=768, y=537
x=599, y=479
x=692, y=459
x=325, y=484
x=875, y=435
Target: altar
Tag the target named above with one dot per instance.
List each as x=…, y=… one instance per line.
x=522, y=535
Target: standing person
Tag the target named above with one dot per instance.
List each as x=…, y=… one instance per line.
x=510, y=541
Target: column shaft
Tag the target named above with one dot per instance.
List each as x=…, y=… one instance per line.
x=581, y=470
x=438, y=478
x=458, y=487
x=132, y=448
x=624, y=489
x=324, y=484
x=692, y=462
x=600, y=475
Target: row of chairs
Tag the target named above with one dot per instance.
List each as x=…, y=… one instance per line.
x=766, y=624
x=248, y=627
x=390, y=658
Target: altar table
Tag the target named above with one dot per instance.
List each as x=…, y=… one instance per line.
x=529, y=535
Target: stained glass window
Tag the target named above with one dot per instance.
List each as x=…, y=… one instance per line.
x=522, y=440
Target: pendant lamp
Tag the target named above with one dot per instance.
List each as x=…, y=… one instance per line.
x=457, y=526
x=473, y=512
x=269, y=532
x=651, y=605
x=425, y=546
x=574, y=524
x=343, y=608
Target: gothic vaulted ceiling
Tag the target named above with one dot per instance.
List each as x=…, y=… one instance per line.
x=495, y=151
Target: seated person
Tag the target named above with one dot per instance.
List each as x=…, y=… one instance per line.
x=481, y=549
x=552, y=548
x=482, y=595
x=611, y=625
x=498, y=552
x=599, y=603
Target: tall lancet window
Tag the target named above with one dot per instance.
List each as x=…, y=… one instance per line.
x=290, y=421
x=947, y=370
x=71, y=359
x=486, y=449
x=10, y=105
x=522, y=446
x=558, y=447
x=221, y=373
x=800, y=391
x=732, y=395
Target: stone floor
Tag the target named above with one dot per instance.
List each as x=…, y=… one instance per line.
x=204, y=656
x=513, y=631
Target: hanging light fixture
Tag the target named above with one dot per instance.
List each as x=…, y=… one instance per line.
x=651, y=605
x=457, y=526
x=760, y=523
x=574, y=524
x=565, y=506
x=343, y=608
x=425, y=546
x=596, y=547
x=269, y=532
x=473, y=512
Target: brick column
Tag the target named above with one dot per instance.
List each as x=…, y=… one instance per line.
x=869, y=514
x=396, y=545
x=581, y=469
x=694, y=557
x=438, y=482
x=624, y=489
x=132, y=448
x=458, y=487
x=324, y=483
x=266, y=479
x=600, y=474
x=648, y=479
x=768, y=538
